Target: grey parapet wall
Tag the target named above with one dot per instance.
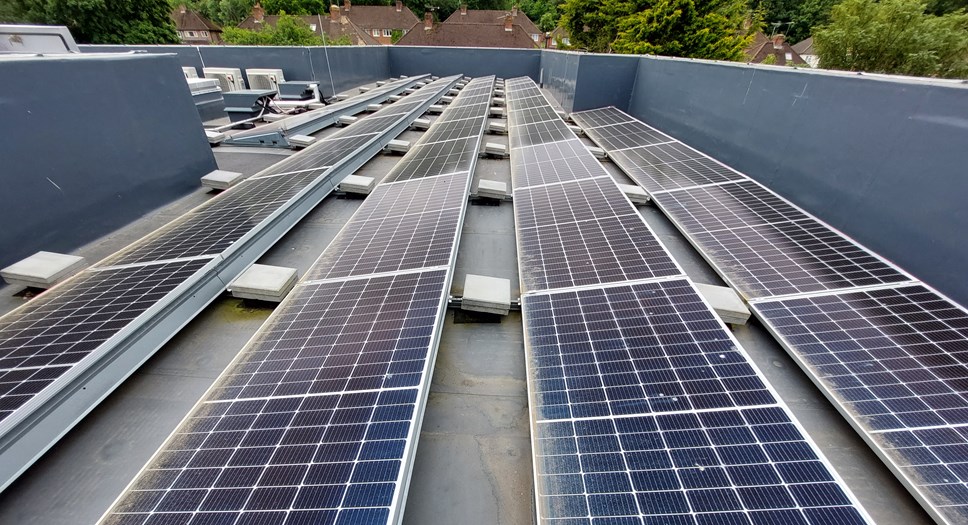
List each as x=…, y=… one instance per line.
x=884, y=159
x=91, y=143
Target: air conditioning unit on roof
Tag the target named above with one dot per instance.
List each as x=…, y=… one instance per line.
x=229, y=78
x=264, y=78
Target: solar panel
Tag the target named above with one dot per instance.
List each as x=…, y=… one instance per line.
x=627, y=135
x=671, y=175
x=646, y=411
x=595, y=118
x=313, y=421
x=438, y=158
x=49, y=335
x=553, y=163
x=573, y=201
x=540, y=133
x=895, y=361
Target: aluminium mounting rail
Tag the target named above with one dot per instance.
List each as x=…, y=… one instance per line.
x=30, y=425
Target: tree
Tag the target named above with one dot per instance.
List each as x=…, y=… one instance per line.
x=105, y=21
x=544, y=13
x=296, y=7
x=894, y=36
x=712, y=29
x=226, y=13
x=795, y=18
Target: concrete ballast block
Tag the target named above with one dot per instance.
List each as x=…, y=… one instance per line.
x=264, y=283
x=496, y=111
x=725, y=302
x=492, y=189
x=599, y=153
x=346, y=120
x=635, y=193
x=495, y=150
x=214, y=137
x=576, y=130
x=373, y=108
x=43, y=269
x=498, y=101
x=395, y=98
x=357, y=184
x=497, y=128
x=221, y=179
x=381, y=83
x=364, y=89
x=486, y=294
x=446, y=99
x=301, y=141
x=421, y=124
x=398, y=146
x=435, y=109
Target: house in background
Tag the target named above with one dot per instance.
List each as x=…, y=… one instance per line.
x=446, y=34
x=774, y=51
x=464, y=16
x=561, y=35
x=381, y=21
x=329, y=28
x=195, y=29
x=806, y=51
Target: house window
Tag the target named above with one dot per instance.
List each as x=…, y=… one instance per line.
x=312, y=27
x=204, y=33
x=191, y=33
x=535, y=37
x=554, y=43
x=565, y=41
x=376, y=32
x=789, y=57
x=387, y=33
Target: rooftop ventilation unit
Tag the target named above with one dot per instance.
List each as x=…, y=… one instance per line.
x=229, y=78
x=190, y=72
x=265, y=78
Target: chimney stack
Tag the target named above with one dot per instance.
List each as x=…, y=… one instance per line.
x=428, y=21
x=508, y=22
x=182, y=9
x=514, y=10
x=258, y=14
x=463, y=10
x=399, y=5
x=778, y=41
x=346, y=5
x=334, y=13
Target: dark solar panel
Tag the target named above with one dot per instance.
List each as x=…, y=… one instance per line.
x=42, y=340
x=647, y=412
x=627, y=135
x=612, y=249
x=414, y=196
x=454, y=129
x=313, y=422
x=530, y=115
x=727, y=206
x=540, y=133
x=574, y=201
x=647, y=348
x=896, y=362
x=672, y=175
x=595, y=118
x=436, y=159
x=552, y=163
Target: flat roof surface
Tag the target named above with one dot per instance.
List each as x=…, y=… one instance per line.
x=473, y=461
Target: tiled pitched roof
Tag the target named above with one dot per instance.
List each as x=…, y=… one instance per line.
x=380, y=16
x=494, y=17
x=804, y=47
x=323, y=26
x=193, y=21
x=762, y=47
x=467, y=35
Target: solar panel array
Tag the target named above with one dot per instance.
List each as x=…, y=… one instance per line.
x=68, y=327
x=645, y=409
x=317, y=419
x=889, y=352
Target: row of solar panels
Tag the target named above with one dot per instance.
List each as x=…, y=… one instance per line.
x=317, y=419
x=644, y=408
x=63, y=351
x=890, y=353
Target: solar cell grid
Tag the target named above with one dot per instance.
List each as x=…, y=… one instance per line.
x=672, y=175
x=626, y=135
x=540, y=133
x=553, y=163
x=43, y=339
x=440, y=157
x=542, y=113
x=595, y=118
x=416, y=196
x=454, y=129
x=575, y=201
x=612, y=249
x=321, y=460
x=792, y=258
x=744, y=467
x=645, y=348
x=400, y=243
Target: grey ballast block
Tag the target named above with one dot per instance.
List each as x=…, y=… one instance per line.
x=725, y=302
x=398, y=146
x=496, y=111
x=486, y=294
x=395, y=98
x=421, y=124
x=492, y=189
x=446, y=99
x=435, y=109
x=373, y=108
x=341, y=96
x=42, y=269
x=364, y=89
x=357, y=184
x=453, y=91
x=346, y=120
x=264, y=283
x=301, y=141
x=221, y=179
x=599, y=153
x=495, y=150
x=498, y=101
x=497, y=128
x=576, y=130
x=214, y=137
x=381, y=83
x=635, y=193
